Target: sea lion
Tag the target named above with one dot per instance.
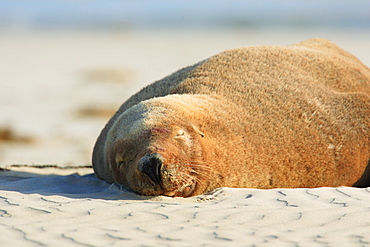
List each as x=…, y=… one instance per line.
x=257, y=117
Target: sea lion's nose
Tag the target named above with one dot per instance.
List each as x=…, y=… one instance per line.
x=151, y=165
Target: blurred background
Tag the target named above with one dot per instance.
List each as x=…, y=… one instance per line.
x=66, y=66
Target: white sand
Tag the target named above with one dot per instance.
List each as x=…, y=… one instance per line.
x=47, y=78
x=79, y=210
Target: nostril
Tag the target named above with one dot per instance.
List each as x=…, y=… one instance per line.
x=151, y=165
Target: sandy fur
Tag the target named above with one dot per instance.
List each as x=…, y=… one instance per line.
x=271, y=116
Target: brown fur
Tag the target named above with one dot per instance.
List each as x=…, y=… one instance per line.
x=256, y=117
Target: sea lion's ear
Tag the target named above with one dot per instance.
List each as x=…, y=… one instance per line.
x=198, y=130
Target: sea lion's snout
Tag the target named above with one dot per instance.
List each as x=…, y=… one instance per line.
x=158, y=179
x=151, y=165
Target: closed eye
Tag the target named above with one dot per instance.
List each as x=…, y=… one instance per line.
x=122, y=163
x=181, y=133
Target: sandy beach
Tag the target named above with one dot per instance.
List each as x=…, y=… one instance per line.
x=58, y=89
x=80, y=210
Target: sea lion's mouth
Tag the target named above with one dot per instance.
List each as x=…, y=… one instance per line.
x=186, y=191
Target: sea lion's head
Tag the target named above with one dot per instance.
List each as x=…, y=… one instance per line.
x=156, y=148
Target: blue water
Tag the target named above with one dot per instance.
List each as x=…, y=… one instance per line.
x=183, y=13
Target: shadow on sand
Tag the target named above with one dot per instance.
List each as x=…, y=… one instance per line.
x=30, y=180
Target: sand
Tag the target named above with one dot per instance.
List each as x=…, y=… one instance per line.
x=58, y=89
x=80, y=210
